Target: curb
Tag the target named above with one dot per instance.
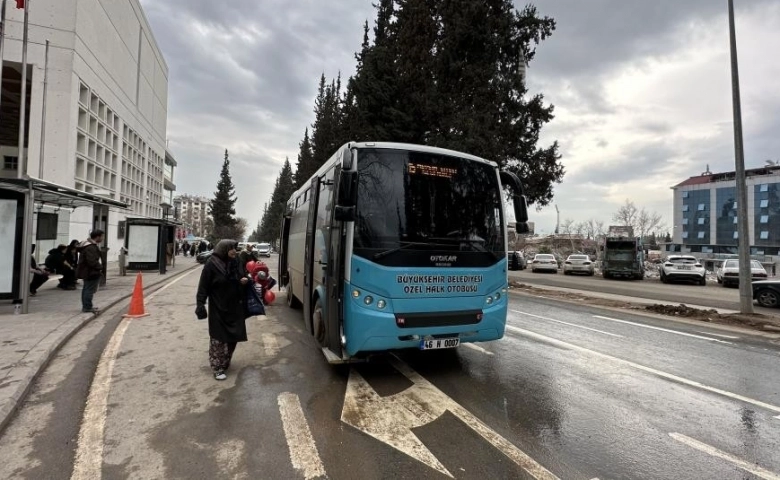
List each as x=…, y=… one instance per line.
x=8, y=409
x=767, y=334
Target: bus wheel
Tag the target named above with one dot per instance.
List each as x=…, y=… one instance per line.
x=319, y=325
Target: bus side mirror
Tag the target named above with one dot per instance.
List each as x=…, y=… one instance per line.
x=347, y=189
x=520, y=203
x=344, y=214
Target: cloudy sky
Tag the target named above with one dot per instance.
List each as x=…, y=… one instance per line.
x=641, y=90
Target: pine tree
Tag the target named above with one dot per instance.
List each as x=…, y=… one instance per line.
x=450, y=73
x=272, y=218
x=222, y=207
x=305, y=167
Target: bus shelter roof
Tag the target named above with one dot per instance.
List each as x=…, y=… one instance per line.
x=48, y=193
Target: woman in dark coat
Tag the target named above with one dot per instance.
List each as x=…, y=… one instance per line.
x=72, y=256
x=223, y=285
x=57, y=261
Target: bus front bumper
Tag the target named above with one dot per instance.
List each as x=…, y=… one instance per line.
x=370, y=330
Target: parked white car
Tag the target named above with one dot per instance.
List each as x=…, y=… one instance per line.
x=578, y=264
x=728, y=273
x=263, y=249
x=683, y=267
x=544, y=262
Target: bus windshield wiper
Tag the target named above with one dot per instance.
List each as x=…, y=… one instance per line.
x=404, y=245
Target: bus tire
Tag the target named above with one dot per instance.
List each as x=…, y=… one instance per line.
x=292, y=302
x=319, y=325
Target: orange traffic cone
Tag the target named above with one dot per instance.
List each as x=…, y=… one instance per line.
x=137, y=302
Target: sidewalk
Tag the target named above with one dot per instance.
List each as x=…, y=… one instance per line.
x=28, y=342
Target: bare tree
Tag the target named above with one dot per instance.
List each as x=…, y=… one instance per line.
x=648, y=222
x=626, y=214
x=642, y=221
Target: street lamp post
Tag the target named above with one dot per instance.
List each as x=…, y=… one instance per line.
x=745, y=287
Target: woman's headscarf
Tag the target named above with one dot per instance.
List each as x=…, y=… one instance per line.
x=226, y=265
x=223, y=247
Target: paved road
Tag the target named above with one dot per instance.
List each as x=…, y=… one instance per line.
x=570, y=392
x=712, y=295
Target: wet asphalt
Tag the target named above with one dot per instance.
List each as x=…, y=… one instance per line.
x=584, y=397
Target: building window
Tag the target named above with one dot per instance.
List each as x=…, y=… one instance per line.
x=685, y=221
x=700, y=235
x=764, y=235
x=10, y=163
x=763, y=187
x=700, y=207
x=735, y=220
x=685, y=208
x=684, y=234
x=120, y=229
x=701, y=221
x=764, y=218
x=764, y=204
x=736, y=235
x=734, y=206
x=685, y=194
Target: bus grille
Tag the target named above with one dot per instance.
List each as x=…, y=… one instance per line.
x=438, y=319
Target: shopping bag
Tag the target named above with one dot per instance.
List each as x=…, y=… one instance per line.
x=254, y=304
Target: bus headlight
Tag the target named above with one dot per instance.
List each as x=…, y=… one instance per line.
x=380, y=304
x=489, y=300
x=355, y=293
x=368, y=300
x=498, y=296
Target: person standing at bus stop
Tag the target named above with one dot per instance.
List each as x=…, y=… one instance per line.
x=90, y=268
x=223, y=285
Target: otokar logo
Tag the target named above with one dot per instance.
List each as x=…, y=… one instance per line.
x=444, y=258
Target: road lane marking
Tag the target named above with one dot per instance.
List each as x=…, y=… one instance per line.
x=477, y=348
x=668, y=376
x=391, y=419
x=662, y=329
x=567, y=323
x=89, y=454
x=303, y=450
x=738, y=462
x=88, y=463
x=732, y=337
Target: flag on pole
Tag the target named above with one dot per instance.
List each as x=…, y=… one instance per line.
x=19, y=3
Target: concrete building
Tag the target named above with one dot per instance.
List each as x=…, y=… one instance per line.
x=705, y=213
x=193, y=214
x=103, y=129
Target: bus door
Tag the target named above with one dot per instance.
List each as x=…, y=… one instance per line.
x=308, y=255
x=283, y=273
x=334, y=274
x=327, y=332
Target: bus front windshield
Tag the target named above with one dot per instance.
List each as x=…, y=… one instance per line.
x=414, y=205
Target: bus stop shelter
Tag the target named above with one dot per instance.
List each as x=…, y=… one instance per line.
x=18, y=197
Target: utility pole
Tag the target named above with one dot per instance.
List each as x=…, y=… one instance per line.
x=557, y=219
x=745, y=287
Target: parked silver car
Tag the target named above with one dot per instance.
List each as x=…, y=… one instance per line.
x=578, y=264
x=728, y=273
x=544, y=262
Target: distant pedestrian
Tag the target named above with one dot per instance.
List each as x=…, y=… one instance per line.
x=203, y=247
x=72, y=255
x=224, y=287
x=185, y=248
x=90, y=268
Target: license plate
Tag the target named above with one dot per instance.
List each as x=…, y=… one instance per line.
x=439, y=343
x=684, y=267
